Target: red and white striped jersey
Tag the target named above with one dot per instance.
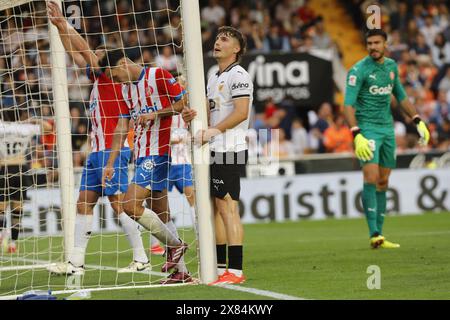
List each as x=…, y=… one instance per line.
x=180, y=141
x=156, y=89
x=106, y=105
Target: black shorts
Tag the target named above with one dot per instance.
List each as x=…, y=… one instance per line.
x=14, y=183
x=225, y=171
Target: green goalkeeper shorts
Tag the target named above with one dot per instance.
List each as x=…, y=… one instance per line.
x=383, y=145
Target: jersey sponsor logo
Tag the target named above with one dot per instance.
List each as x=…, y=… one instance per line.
x=172, y=81
x=146, y=109
x=239, y=85
x=218, y=181
x=352, y=81
x=376, y=90
x=148, y=165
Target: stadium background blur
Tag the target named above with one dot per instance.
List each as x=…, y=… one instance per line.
x=419, y=40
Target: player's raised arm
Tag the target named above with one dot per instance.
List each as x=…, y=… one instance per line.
x=399, y=92
x=73, y=42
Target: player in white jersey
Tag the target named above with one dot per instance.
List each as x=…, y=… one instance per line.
x=153, y=97
x=15, y=137
x=230, y=96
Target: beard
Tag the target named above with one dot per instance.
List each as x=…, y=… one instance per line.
x=377, y=58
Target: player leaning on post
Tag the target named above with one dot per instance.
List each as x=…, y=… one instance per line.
x=153, y=96
x=230, y=96
x=370, y=83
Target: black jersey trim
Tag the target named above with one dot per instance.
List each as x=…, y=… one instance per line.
x=231, y=66
x=240, y=96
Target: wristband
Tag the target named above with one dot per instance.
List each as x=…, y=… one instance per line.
x=355, y=131
x=417, y=119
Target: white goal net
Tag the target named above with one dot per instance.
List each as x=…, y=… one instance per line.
x=34, y=226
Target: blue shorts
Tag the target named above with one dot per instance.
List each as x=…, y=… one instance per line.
x=152, y=172
x=91, y=179
x=180, y=177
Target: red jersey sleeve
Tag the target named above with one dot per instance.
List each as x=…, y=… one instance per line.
x=168, y=85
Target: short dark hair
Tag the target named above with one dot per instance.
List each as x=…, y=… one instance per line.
x=111, y=58
x=235, y=33
x=376, y=32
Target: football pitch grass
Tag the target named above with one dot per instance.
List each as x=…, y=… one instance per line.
x=325, y=259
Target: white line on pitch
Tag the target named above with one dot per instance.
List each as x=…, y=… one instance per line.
x=259, y=292
x=24, y=267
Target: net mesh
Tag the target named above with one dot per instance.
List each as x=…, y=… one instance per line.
x=151, y=34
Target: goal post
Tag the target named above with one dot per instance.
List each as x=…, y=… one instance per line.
x=62, y=121
x=196, y=88
x=63, y=132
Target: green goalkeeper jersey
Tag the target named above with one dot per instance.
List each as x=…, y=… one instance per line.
x=369, y=88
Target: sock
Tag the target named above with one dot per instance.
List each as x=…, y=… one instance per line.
x=130, y=227
x=221, y=252
x=369, y=200
x=181, y=266
x=235, y=260
x=381, y=210
x=150, y=221
x=194, y=221
x=83, y=229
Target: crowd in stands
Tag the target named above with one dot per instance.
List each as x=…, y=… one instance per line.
x=419, y=40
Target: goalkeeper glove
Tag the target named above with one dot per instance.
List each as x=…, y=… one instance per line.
x=363, y=150
x=422, y=130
